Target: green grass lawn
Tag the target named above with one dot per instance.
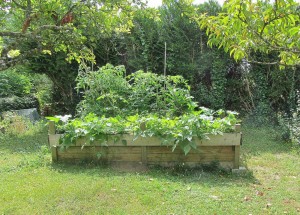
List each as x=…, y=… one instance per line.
x=31, y=184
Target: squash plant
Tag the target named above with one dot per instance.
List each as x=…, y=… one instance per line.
x=142, y=104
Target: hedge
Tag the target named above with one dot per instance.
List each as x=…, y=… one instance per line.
x=17, y=103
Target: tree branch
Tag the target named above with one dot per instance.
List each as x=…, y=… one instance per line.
x=271, y=63
x=11, y=34
x=6, y=62
x=19, y=5
x=43, y=27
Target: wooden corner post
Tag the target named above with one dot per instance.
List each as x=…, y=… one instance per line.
x=237, y=149
x=51, y=127
x=54, y=153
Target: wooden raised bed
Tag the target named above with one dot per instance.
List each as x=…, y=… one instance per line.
x=148, y=151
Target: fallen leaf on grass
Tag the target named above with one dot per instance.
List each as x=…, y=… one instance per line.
x=214, y=197
x=259, y=193
x=247, y=198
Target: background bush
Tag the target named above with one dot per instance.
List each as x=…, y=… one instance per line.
x=16, y=103
x=14, y=83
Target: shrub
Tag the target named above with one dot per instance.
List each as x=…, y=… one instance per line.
x=13, y=83
x=17, y=103
x=14, y=124
x=43, y=91
x=291, y=124
x=109, y=92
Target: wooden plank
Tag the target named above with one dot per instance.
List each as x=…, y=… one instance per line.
x=223, y=164
x=108, y=157
x=149, y=149
x=51, y=127
x=192, y=158
x=238, y=128
x=223, y=148
x=54, y=153
x=144, y=154
x=229, y=139
x=150, y=153
x=91, y=149
x=236, y=164
x=53, y=139
x=178, y=150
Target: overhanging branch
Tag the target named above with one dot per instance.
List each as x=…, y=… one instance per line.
x=41, y=28
x=6, y=62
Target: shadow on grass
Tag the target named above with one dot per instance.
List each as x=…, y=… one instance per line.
x=257, y=140
x=28, y=142
x=211, y=174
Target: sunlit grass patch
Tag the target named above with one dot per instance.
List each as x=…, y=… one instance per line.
x=30, y=182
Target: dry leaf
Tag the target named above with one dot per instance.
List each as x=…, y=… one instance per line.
x=259, y=193
x=247, y=198
x=214, y=197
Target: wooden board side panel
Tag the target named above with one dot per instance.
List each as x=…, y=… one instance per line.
x=54, y=153
x=227, y=139
x=53, y=139
x=101, y=153
x=204, y=154
x=155, y=155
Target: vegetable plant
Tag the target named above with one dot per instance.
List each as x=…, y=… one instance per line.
x=142, y=104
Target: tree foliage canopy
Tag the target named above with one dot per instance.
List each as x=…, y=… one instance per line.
x=245, y=26
x=30, y=27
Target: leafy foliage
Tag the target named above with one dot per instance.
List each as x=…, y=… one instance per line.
x=174, y=131
x=143, y=104
x=44, y=28
x=13, y=83
x=260, y=26
x=44, y=89
x=291, y=124
x=109, y=92
x=16, y=103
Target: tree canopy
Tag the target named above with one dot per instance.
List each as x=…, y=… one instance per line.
x=30, y=27
x=246, y=26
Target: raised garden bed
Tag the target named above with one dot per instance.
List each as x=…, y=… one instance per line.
x=146, y=151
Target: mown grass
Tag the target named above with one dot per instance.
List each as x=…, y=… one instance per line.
x=31, y=184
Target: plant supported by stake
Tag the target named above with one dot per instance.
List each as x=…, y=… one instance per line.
x=109, y=92
x=142, y=104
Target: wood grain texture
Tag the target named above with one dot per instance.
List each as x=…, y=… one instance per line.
x=155, y=155
x=227, y=139
x=54, y=153
x=236, y=164
x=51, y=127
x=54, y=139
x=148, y=151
